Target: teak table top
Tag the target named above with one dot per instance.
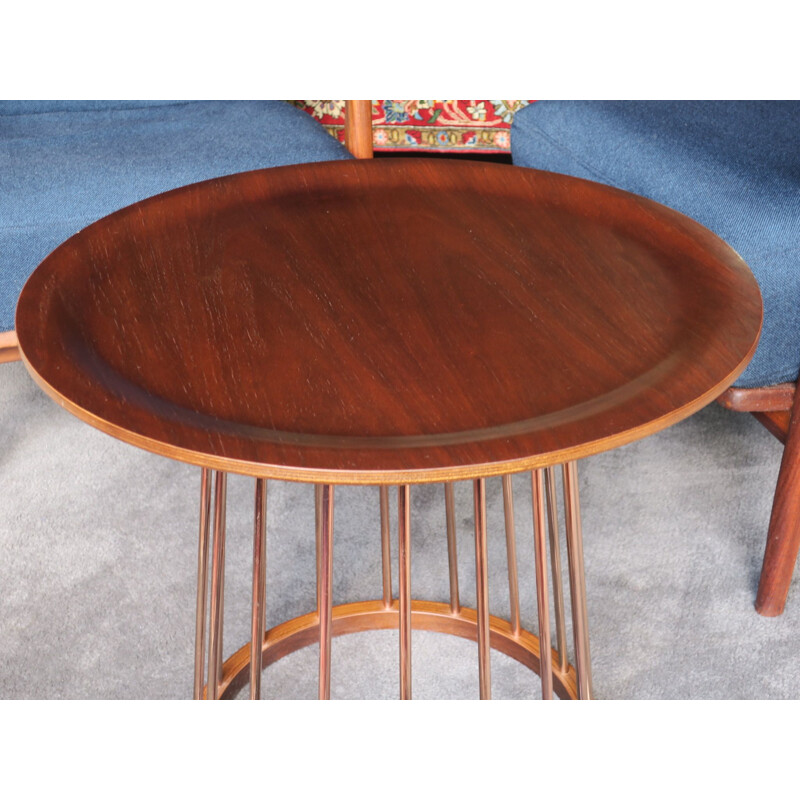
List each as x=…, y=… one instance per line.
x=390, y=321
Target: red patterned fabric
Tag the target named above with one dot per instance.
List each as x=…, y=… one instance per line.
x=444, y=125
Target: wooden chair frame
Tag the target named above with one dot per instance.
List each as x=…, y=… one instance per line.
x=777, y=408
x=774, y=406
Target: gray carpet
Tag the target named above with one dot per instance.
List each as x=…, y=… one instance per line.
x=97, y=574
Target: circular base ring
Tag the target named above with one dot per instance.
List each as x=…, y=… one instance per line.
x=376, y=615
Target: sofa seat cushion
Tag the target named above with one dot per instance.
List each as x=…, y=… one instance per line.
x=734, y=166
x=65, y=164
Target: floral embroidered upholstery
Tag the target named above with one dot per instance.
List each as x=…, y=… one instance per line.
x=444, y=125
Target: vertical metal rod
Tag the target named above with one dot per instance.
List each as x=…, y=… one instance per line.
x=542, y=596
x=577, y=581
x=386, y=553
x=202, y=583
x=404, y=559
x=452, y=555
x=511, y=554
x=325, y=572
x=217, y=568
x=220, y=638
x=555, y=562
x=258, y=620
x=482, y=590
x=318, y=535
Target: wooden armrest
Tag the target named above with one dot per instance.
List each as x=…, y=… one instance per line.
x=9, y=347
x=767, y=398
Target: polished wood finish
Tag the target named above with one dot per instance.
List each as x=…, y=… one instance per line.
x=300, y=322
x=358, y=127
x=783, y=536
x=368, y=615
x=776, y=407
x=765, y=398
x=9, y=349
x=776, y=422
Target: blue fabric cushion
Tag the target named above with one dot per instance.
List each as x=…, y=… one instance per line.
x=733, y=166
x=64, y=164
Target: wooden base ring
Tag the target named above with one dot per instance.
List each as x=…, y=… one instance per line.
x=375, y=615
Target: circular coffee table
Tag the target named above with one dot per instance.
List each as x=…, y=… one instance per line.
x=391, y=322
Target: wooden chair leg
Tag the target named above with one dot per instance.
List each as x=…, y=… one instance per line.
x=783, y=537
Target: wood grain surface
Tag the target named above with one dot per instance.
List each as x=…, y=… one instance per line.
x=389, y=321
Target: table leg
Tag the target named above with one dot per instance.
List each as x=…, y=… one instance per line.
x=452, y=554
x=318, y=535
x=577, y=582
x=202, y=583
x=386, y=553
x=535, y=651
x=325, y=589
x=482, y=590
x=221, y=638
x=542, y=595
x=404, y=563
x=555, y=565
x=511, y=554
x=217, y=571
x=258, y=620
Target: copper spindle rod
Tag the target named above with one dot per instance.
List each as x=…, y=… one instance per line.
x=577, y=581
x=555, y=562
x=221, y=638
x=202, y=583
x=542, y=599
x=452, y=554
x=258, y=620
x=386, y=553
x=404, y=559
x=482, y=590
x=217, y=569
x=325, y=572
x=318, y=536
x=511, y=554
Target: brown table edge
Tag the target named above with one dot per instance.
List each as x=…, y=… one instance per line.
x=390, y=477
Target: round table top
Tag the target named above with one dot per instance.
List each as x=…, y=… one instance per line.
x=388, y=321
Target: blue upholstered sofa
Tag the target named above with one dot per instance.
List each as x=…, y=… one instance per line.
x=64, y=164
x=734, y=167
